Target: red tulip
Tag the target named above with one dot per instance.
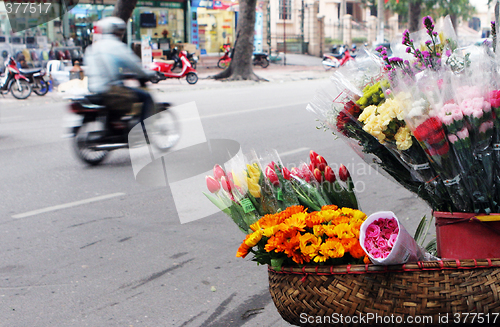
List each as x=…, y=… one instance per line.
x=343, y=173
x=330, y=175
x=272, y=176
x=321, y=163
x=212, y=184
x=225, y=184
x=286, y=173
x=318, y=175
x=272, y=165
x=311, y=167
x=296, y=172
x=219, y=172
x=314, y=163
x=313, y=155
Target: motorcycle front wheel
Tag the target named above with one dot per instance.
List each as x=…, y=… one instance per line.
x=192, y=78
x=41, y=87
x=83, y=149
x=20, y=89
x=166, y=131
x=328, y=63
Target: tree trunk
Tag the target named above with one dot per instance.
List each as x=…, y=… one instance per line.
x=414, y=15
x=124, y=8
x=240, y=67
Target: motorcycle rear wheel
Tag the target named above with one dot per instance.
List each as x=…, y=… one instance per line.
x=264, y=62
x=326, y=66
x=222, y=63
x=83, y=150
x=192, y=78
x=41, y=87
x=21, y=91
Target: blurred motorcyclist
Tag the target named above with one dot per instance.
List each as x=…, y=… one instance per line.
x=108, y=59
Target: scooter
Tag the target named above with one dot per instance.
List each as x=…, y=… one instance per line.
x=226, y=57
x=97, y=129
x=258, y=58
x=36, y=79
x=164, y=70
x=334, y=61
x=14, y=81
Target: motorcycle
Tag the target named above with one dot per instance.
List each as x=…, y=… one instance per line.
x=336, y=60
x=226, y=57
x=14, y=81
x=36, y=79
x=191, y=57
x=96, y=129
x=258, y=58
x=164, y=69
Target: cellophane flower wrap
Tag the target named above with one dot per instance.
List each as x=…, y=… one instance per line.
x=422, y=119
x=386, y=241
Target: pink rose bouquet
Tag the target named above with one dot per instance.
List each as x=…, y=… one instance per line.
x=386, y=241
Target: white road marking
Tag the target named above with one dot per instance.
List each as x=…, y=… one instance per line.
x=67, y=205
x=287, y=153
x=232, y=113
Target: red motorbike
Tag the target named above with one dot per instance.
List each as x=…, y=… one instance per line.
x=226, y=58
x=14, y=81
x=164, y=69
x=335, y=61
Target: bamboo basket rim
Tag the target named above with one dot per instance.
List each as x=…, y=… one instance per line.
x=448, y=264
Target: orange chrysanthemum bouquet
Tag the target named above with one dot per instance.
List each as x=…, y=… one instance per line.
x=297, y=237
x=297, y=216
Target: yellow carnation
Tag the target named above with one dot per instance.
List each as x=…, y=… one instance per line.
x=403, y=138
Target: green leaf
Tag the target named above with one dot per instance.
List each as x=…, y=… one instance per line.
x=218, y=202
x=420, y=230
x=431, y=247
x=277, y=263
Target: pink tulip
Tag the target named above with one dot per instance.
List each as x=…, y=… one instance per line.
x=343, y=173
x=212, y=184
x=225, y=184
x=272, y=176
x=230, y=180
x=219, y=172
x=330, y=175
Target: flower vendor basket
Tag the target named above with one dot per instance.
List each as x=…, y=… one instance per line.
x=429, y=288
x=467, y=235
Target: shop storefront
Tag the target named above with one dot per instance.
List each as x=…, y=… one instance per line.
x=216, y=24
x=165, y=22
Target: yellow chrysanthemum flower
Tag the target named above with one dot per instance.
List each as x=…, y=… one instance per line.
x=309, y=244
x=403, y=138
x=343, y=231
x=358, y=215
x=332, y=248
x=270, y=231
x=254, y=238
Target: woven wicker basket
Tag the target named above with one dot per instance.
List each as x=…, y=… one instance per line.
x=430, y=288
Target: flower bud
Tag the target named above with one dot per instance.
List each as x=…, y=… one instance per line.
x=343, y=173
x=312, y=155
x=330, y=175
x=321, y=163
x=286, y=173
x=318, y=175
x=230, y=180
x=218, y=172
x=271, y=175
x=225, y=184
x=212, y=184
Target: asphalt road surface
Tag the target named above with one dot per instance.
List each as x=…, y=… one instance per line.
x=90, y=246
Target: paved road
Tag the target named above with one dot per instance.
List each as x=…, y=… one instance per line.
x=108, y=251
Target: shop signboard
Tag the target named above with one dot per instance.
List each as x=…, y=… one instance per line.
x=146, y=51
x=194, y=28
x=259, y=25
x=159, y=4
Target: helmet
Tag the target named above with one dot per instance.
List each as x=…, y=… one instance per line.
x=354, y=46
x=112, y=25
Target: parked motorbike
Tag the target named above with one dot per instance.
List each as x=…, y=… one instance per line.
x=258, y=58
x=14, y=81
x=191, y=57
x=36, y=77
x=164, y=70
x=96, y=129
x=331, y=60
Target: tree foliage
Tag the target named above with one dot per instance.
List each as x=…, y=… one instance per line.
x=411, y=11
